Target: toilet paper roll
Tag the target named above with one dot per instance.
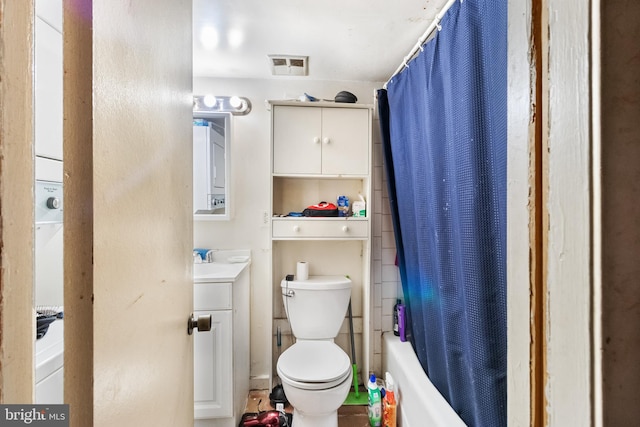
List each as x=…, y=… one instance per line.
x=302, y=270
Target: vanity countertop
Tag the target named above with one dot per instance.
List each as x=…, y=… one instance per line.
x=226, y=266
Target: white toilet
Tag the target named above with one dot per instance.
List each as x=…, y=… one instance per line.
x=315, y=373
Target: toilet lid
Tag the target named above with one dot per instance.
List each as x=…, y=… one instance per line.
x=314, y=362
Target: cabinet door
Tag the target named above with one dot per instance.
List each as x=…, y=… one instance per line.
x=213, y=368
x=345, y=141
x=48, y=91
x=296, y=140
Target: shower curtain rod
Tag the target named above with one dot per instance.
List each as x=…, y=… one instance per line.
x=418, y=46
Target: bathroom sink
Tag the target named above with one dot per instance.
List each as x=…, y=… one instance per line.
x=226, y=266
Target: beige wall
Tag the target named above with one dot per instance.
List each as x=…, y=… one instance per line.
x=620, y=211
x=250, y=176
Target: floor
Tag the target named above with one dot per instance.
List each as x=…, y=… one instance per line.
x=348, y=416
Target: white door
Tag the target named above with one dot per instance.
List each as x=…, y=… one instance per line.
x=128, y=213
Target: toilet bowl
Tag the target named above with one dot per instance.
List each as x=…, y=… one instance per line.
x=316, y=377
x=316, y=373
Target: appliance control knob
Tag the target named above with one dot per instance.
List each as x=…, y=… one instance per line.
x=53, y=203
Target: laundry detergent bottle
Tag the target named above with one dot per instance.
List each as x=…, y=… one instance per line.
x=375, y=402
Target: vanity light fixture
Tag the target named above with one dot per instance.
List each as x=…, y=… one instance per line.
x=236, y=105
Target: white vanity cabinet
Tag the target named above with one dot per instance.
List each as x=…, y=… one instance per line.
x=321, y=150
x=221, y=356
x=320, y=140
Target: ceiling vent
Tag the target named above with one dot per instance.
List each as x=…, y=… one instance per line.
x=288, y=65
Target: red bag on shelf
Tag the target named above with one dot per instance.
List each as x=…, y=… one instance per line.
x=322, y=209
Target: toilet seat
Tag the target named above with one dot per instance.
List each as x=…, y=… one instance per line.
x=314, y=365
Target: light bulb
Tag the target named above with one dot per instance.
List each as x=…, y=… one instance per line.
x=235, y=102
x=209, y=101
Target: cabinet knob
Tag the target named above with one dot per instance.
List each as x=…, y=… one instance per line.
x=296, y=228
x=326, y=140
x=316, y=140
x=345, y=228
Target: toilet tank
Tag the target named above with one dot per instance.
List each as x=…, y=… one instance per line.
x=316, y=307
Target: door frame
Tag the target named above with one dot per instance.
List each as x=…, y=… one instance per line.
x=17, y=319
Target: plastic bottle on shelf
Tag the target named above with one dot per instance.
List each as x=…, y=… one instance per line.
x=396, y=330
x=389, y=403
x=343, y=206
x=375, y=403
x=402, y=322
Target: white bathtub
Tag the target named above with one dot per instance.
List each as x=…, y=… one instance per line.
x=419, y=402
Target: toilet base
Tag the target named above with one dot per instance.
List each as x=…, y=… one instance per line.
x=305, y=420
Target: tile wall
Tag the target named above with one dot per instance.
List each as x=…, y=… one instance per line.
x=385, y=277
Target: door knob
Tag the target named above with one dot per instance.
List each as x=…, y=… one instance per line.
x=202, y=323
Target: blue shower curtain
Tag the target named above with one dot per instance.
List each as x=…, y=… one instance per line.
x=444, y=127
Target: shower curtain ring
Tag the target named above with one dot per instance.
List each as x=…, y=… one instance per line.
x=438, y=26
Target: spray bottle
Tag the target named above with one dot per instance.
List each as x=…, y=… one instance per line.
x=375, y=404
x=389, y=403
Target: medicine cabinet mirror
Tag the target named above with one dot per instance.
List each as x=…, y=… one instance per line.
x=211, y=166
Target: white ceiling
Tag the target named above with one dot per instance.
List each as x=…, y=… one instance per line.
x=348, y=40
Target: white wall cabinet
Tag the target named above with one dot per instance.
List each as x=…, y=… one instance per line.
x=320, y=151
x=221, y=356
x=330, y=141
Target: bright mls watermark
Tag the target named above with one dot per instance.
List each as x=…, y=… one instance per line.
x=34, y=415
